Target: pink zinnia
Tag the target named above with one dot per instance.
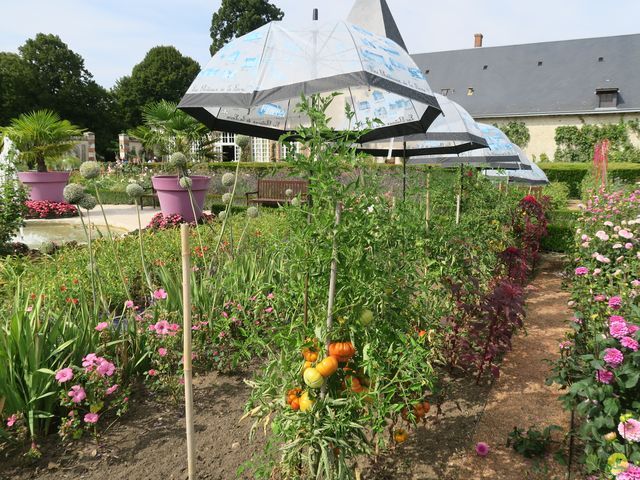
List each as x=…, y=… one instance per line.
x=631, y=473
x=615, y=303
x=77, y=394
x=160, y=294
x=482, y=449
x=630, y=343
x=162, y=351
x=604, y=376
x=12, y=420
x=111, y=389
x=101, y=326
x=632, y=329
x=630, y=430
x=618, y=329
x=613, y=357
x=91, y=418
x=580, y=271
x=64, y=375
x=106, y=368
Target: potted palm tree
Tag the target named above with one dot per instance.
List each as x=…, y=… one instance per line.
x=167, y=129
x=42, y=136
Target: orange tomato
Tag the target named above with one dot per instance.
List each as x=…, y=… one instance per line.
x=327, y=366
x=343, y=351
x=422, y=333
x=400, y=435
x=426, y=406
x=309, y=354
x=295, y=404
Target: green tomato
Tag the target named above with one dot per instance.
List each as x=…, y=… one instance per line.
x=366, y=317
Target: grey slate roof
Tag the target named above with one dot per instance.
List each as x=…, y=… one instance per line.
x=514, y=85
x=375, y=16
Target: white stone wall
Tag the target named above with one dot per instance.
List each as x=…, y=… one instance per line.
x=543, y=129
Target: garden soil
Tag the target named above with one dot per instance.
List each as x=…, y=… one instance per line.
x=149, y=442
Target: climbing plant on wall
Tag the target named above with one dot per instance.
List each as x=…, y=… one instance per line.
x=517, y=132
x=575, y=144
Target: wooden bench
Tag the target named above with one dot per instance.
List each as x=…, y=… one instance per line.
x=151, y=194
x=271, y=191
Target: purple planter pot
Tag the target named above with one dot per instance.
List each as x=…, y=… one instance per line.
x=175, y=199
x=45, y=185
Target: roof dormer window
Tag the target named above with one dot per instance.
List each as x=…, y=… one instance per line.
x=607, y=97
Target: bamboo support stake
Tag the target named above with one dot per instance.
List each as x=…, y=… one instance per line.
x=188, y=383
x=458, y=209
x=428, y=199
x=332, y=281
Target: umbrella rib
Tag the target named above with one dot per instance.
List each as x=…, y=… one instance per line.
x=261, y=77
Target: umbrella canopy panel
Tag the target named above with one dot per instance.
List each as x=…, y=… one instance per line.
x=535, y=176
x=254, y=83
x=501, y=153
x=452, y=132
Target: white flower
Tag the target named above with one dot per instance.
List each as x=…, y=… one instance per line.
x=608, y=223
x=370, y=209
x=602, y=235
x=617, y=246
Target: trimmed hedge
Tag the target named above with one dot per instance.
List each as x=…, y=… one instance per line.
x=573, y=173
x=560, y=231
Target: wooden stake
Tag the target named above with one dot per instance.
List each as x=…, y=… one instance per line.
x=186, y=326
x=458, y=209
x=428, y=206
x=332, y=281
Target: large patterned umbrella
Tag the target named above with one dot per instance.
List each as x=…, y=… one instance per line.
x=534, y=176
x=253, y=84
x=452, y=132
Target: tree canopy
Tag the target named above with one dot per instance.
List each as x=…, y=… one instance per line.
x=234, y=18
x=163, y=74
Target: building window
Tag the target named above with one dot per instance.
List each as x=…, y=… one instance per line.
x=426, y=72
x=485, y=67
x=539, y=63
x=261, y=150
x=470, y=91
x=601, y=59
x=607, y=97
x=445, y=91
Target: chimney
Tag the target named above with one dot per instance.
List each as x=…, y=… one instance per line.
x=315, y=14
x=478, y=40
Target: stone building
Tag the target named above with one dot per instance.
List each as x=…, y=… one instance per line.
x=85, y=149
x=545, y=85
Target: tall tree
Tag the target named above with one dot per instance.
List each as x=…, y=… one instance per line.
x=234, y=18
x=59, y=81
x=163, y=74
x=16, y=87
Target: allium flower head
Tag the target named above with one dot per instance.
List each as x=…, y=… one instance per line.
x=88, y=202
x=252, y=212
x=222, y=215
x=185, y=182
x=178, y=160
x=226, y=198
x=228, y=179
x=90, y=169
x=135, y=190
x=73, y=192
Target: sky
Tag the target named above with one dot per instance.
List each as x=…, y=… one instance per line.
x=113, y=35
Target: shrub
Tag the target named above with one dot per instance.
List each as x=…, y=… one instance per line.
x=573, y=174
x=47, y=209
x=12, y=208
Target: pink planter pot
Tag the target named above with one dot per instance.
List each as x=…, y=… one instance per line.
x=175, y=199
x=45, y=185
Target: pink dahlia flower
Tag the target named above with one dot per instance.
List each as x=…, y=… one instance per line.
x=604, y=376
x=482, y=449
x=64, y=375
x=630, y=430
x=615, y=303
x=613, y=357
x=630, y=343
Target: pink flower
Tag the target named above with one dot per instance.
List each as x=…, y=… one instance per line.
x=162, y=351
x=600, y=298
x=597, y=271
x=160, y=294
x=91, y=418
x=631, y=473
x=482, y=449
x=64, y=375
x=602, y=259
x=626, y=234
x=77, y=394
x=129, y=304
x=635, y=283
x=162, y=327
x=152, y=373
x=106, y=368
x=632, y=329
x=630, y=430
x=602, y=235
x=566, y=345
x=613, y=357
x=12, y=420
x=101, y=326
x=111, y=389
x=271, y=296
x=580, y=271
x=630, y=343
x=268, y=310
x=615, y=303
x=604, y=376
x=29, y=308
x=91, y=361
